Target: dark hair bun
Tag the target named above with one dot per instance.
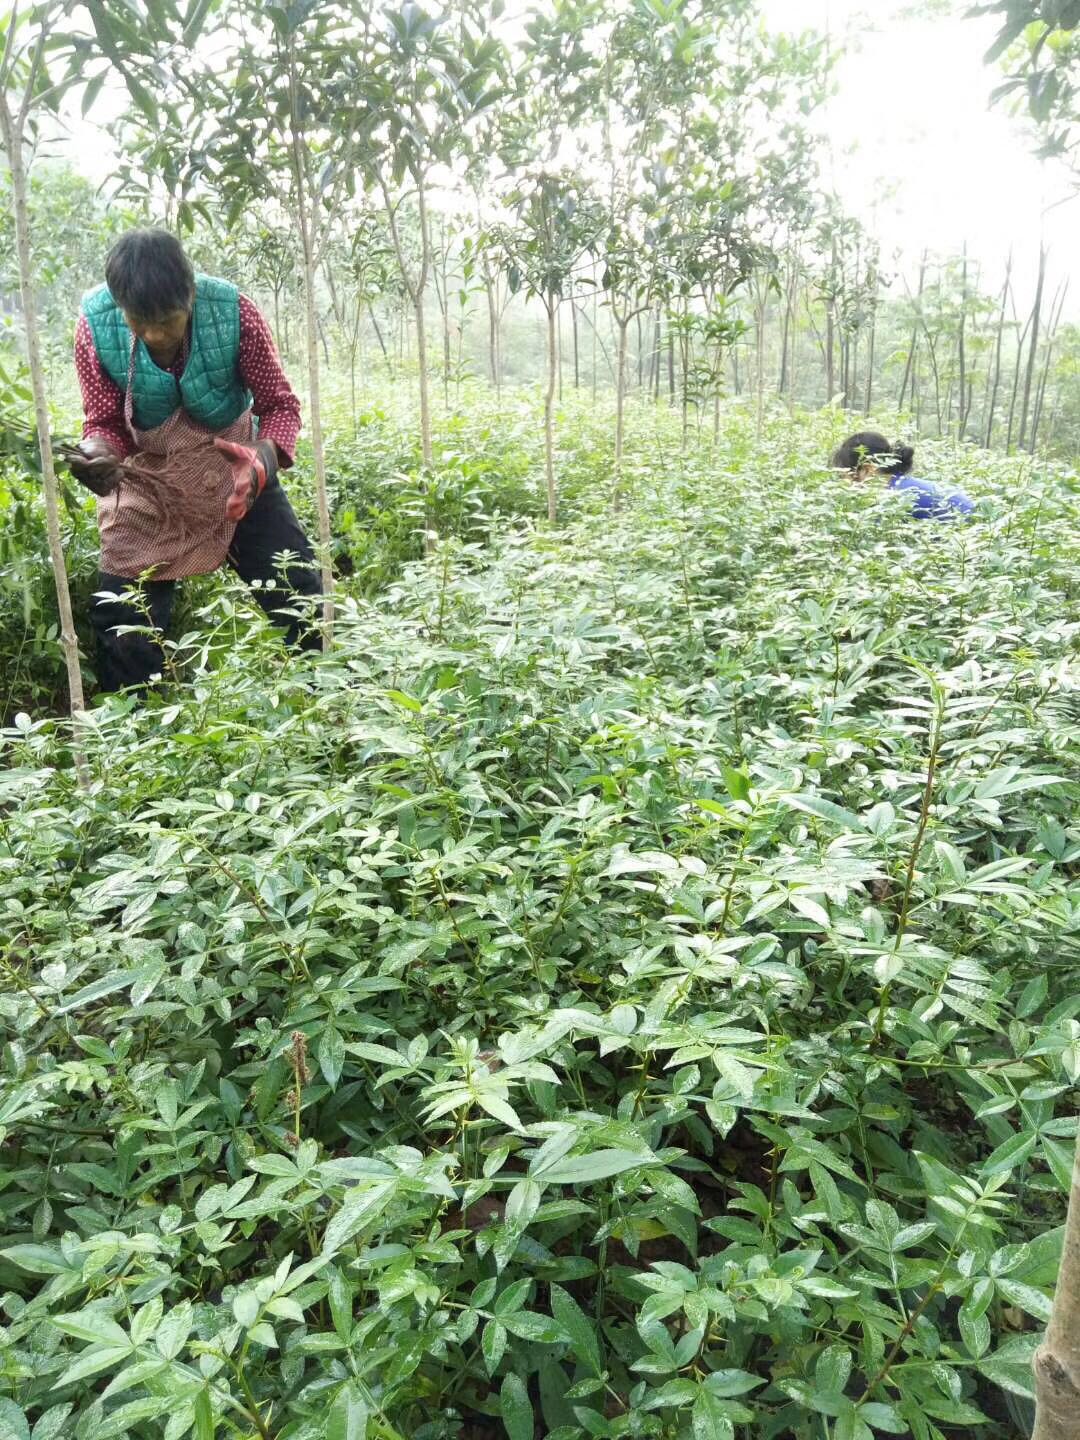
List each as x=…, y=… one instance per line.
x=905, y=458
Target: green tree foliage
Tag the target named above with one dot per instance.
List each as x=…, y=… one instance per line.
x=1039, y=43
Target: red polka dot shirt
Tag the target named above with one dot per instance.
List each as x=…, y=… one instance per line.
x=259, y=367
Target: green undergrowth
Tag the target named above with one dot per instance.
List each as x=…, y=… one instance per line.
x=626, y=988
x=487, y=470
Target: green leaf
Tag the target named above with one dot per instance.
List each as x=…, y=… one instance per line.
x=361, y=1208
x=51, y=1424
x=811, y=910
x=204, y=1415
x=245, y=1307
x=341, y=1303
x=523, y=1202
x=709, y=1419
x=93, y=1362
x=38, y=1259
x=142, y=97
x=94, y=1326
x=348, y=1415
x=493, y=1344
x=13, y=1422
x=120, y=1421
x=1010, y=1367
x=826, y=810
x=1027, y=1297
x=883, y=1417
x=529, y=1325
x=737, y=782
x=406, y=702
x=1008, y=1156
x=599, y=1165
x=1032, y=997
x=578, y=1329
x=331, y=1056
x=495, y=1105
x=516, y=1409
x=730, y=1383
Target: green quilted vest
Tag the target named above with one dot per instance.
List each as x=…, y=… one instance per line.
x=210, y=389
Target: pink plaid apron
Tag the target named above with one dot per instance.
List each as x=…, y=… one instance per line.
x=171, y=519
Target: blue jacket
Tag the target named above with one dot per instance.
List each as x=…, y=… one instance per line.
x=930, y=501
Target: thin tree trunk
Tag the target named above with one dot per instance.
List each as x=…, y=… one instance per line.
x=870, y=363
x=577, y=358
x=558, y=350
x=1018, y=370
x=442, y=291
x=379, y=337
x=493, y=327
x=640, y=355
x=657, y=352
x=1051, y=335
x=961, y=352
x=1057, y=1361
x=307, y=240
x=1036, y=316
x=909, y=367
x=992, y=401
x=785, y=334
x=931, y=350
x=671, y=363
x=551, y=305
x=684, y=362
x=421, y=334
x=12, y=131
x=620, y=397
x=595, y=342
x=759, y=361
x=448, y=363
x=416, y=287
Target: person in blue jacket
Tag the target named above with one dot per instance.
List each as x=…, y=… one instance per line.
x=868, y=455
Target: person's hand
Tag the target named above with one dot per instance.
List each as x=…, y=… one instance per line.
x=98, y=466
x=254, y=467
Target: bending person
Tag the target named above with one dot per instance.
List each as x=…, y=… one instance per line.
x=869, y=456
x=180, y=372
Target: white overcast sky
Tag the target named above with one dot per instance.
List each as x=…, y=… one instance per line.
x=913, y=127
x=916, y=147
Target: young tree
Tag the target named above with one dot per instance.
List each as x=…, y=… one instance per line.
x=423, y=80
x=557, y=222
x=359, y=267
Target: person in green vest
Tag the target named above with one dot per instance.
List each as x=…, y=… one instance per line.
x=189, y=419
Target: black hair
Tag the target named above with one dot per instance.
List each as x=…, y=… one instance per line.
x=869, y=446
x=148, y=274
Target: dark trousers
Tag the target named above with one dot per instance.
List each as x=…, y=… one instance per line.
x=266, y=531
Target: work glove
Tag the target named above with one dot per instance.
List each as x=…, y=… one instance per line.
x=254, y=467
x=95, y=464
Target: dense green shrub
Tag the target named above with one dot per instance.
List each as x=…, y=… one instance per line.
x=628, y=987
